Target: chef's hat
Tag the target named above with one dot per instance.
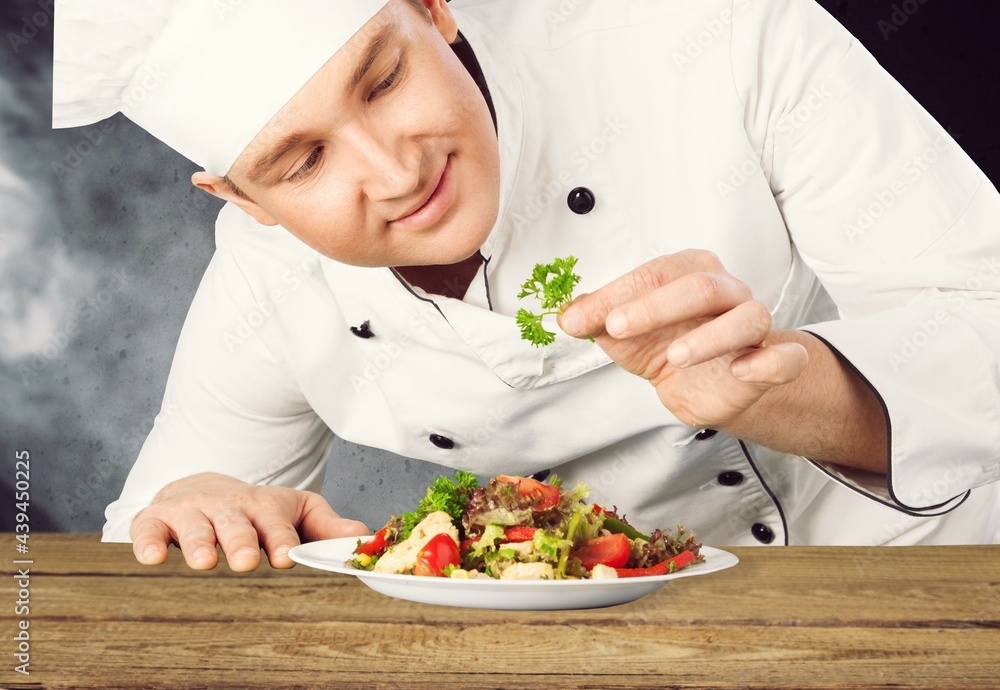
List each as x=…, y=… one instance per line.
x=203, y=76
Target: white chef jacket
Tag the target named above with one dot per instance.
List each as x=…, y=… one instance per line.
x=757, y=129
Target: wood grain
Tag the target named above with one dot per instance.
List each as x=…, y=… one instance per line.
x=791, y=617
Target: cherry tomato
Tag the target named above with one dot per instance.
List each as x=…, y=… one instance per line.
x=440, y=552
x=671, y=565
x=612, y=551
x=658, y=569
x=545, y=495
x=374, y=546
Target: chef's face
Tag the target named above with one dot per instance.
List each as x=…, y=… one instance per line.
x=386, y=157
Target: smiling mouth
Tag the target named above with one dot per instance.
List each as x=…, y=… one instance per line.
x=434, y=206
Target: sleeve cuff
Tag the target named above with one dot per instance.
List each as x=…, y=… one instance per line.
x=937, y=439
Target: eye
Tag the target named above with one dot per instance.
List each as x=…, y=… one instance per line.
x=387, y=83
x=310, y=163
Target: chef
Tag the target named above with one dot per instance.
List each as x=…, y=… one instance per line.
x=790, y=273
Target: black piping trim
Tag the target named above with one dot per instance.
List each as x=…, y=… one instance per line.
x=467, y=56
x=888, y=428
x=887, y=504
x=486, y=280
x=409, y=288
x=777, y=503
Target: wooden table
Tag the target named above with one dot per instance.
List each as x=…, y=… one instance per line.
x=790, y=617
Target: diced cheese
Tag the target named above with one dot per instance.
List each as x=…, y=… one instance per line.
x=603, y=572
x=402, y=557
x=527, y=571
x=523, y=548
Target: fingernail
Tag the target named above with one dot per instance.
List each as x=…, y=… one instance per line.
x=679, y=354
x=740, y=369
x=150, y=552
x=572, y=323
x=282, y=551
x=203, y=552
x=616, y=324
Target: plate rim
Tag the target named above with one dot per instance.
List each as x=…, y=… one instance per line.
x=299, y=554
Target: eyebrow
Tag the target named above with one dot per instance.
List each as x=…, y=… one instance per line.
x=375, y=47
x=262, y=166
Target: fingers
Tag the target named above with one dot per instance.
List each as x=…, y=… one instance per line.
x=193, y=532
x=588, y=314
x=150, y=540
x=771, y=366
x=238, y=539
x=314, y=518
x=199, y=512
x=693, y=296
x=277, y=536
x=745, y=325
x=319, y=521
x=196, y=538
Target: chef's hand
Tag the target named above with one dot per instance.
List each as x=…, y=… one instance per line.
x=694, y=332
x=203, y=510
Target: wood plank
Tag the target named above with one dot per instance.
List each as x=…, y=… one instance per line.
x=566, y=655
x=785, y=617
x=696, y=601
x=72, y=553
x=791, y=585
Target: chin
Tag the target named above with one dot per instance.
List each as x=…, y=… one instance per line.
x=457, y=251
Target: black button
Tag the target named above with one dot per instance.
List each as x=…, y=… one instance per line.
x=762, y=533
x=731, y=478
x=581, y=201
x=363, y=331
x=541, y=476
x=442, y=442
x=705, y=434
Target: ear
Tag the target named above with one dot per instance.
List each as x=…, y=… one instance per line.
x=219, y=187
x=443, y=19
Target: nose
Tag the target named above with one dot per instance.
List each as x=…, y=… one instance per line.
x=388, y=166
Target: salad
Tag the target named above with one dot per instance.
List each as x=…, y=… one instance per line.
x=518, y=528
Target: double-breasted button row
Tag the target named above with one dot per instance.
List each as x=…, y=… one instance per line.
x=762, y=533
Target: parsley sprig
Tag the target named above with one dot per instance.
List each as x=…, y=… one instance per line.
x=552, y=284
x=446, y=494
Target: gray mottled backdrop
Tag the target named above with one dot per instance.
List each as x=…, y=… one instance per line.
x=103, y=241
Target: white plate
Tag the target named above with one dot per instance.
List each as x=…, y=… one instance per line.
x=537, y=595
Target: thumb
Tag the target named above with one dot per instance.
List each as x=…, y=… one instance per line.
x=319, y=521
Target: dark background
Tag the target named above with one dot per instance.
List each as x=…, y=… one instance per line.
x=84, y=355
